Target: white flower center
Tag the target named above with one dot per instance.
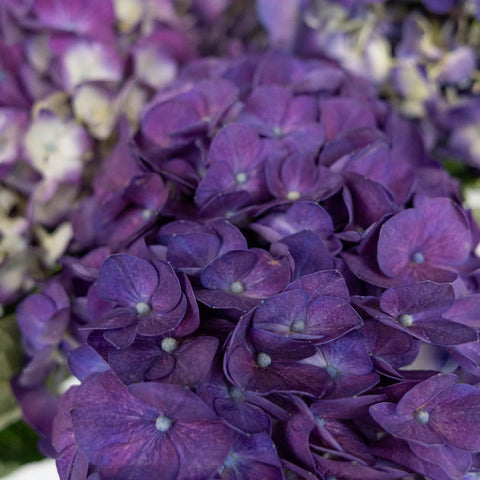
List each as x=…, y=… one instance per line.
x=332, y=371
x=263, y=360
x=163, y=423
x=237, y=287
x=417, y=258
x=292, y=196
x=422, y=417
x=405, y=320
x=297, y=326
x=142, y=308
x=169, y=344
x=235, y=392
x=241, y=178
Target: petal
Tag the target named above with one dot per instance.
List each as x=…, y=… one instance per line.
x=127, y=280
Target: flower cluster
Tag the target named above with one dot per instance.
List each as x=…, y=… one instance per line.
x=423, y=55
x=271, y=279
x=69, y=71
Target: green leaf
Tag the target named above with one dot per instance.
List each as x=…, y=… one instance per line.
x=11, y=355
x=18, y=445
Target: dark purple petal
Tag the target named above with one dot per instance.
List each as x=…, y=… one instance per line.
x=453, y=461
x=127, y=280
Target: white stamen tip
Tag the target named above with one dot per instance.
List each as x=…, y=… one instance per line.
x=237, y=287
x=405, y=320
x=422, y=417
x=417, y=257
x=169, y=344
x=263, y=360
x=240, y=178
x=142, y=308
x=297, y=326
x=292, y=196
x=163, y=423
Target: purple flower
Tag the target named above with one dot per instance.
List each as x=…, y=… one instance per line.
x=71, y=461
x=286, y=115
x=299, y=216
x=291, y=316
x=236, y=157
x=180, y=361
x=245, y=411
x=296, y=176
x=131, y=433
x=239, y=279
x=251, y=364
x=191, y=245
x=417, y=309
x=424, y=243
x=434, y=412
x=252, y=456
x=43, y=317
x=147, y=299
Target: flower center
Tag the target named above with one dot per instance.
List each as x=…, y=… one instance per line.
x=422, y=417
x=417, y=258
x=169, y=344
x=163, y=423
x=263, y=360
x=297, y=326
x=237, y=287
x=293, y=195
x=277, y=131
x=289, y=475
x=147, y=213
x=229, y=461
x=240, y=178
x=142, y=308
x=235, y=392
x=320, y=420
x=405, y=320
x=50, y=147
x=332, y=371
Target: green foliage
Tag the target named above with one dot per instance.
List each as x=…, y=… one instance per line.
x=18, y=445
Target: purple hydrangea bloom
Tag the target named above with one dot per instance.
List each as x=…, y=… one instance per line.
x=236, y=158
x=183, y=361
x=417, y=309
x=152, y=426
x=147, y=299
x=191, y=245
x=434, y=412
x=424, y=243
x=239, y=279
